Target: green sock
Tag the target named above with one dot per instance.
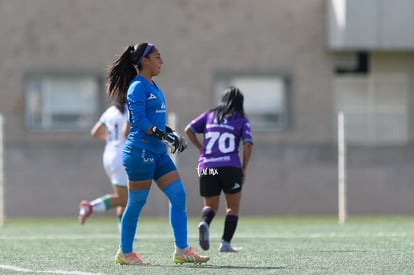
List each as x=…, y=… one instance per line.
x=101, y=204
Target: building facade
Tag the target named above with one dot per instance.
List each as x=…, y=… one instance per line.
x=298, y=63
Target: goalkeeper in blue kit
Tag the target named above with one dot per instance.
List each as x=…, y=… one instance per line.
x=145, y=156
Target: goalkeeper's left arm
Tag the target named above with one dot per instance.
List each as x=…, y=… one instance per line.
x=171, y=138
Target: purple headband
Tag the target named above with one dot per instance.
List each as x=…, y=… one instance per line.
x=147, y=50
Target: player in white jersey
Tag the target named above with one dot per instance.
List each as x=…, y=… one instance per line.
x=113, y=127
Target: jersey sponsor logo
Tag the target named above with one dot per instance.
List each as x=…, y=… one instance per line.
x=217, y=159
x=162, y=109
x=223, y=125
x=151, y=96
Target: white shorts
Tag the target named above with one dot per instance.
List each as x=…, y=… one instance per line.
x=112, y=162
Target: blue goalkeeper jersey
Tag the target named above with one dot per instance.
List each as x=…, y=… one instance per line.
x=146, y=105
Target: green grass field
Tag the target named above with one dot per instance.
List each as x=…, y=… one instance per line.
x=381, y=245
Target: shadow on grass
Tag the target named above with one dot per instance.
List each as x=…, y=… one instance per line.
x=207, y=266
x=343, y=251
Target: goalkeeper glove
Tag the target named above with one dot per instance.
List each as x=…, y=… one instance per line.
x=182, y=141
x=171, y=138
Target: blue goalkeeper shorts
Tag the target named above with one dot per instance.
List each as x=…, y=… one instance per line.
x=142, y=164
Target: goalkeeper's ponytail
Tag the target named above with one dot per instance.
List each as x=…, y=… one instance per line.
x=124, y=69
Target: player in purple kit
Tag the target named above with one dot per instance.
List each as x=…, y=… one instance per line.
x=219, y=166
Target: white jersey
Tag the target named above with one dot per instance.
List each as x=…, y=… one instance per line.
x=114, y=122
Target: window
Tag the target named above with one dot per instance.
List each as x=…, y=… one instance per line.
x=60, y=101
x=375, y=108
x=265, y=98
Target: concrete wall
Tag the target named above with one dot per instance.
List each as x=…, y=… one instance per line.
x=292, y=172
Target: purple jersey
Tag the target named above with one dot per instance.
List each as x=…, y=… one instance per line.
x=221, y=141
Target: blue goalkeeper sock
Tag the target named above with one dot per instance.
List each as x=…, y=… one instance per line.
x=178, y=215
x=129, y=221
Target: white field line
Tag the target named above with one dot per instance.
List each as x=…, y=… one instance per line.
x=239, y=235
x=25, y=270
